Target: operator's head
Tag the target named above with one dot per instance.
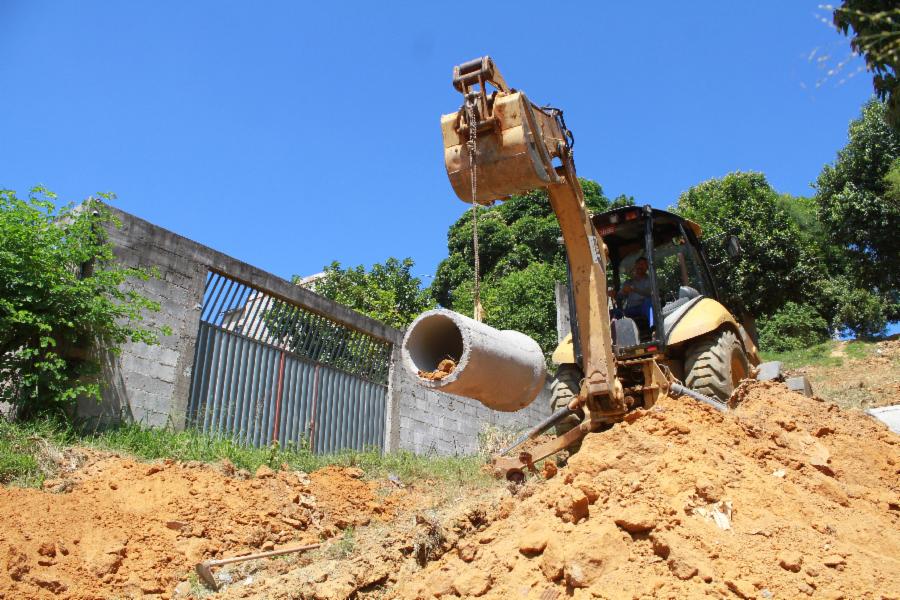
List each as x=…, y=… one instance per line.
x=640, y=267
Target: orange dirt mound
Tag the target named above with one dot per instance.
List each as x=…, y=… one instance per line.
x=127, y=529
x=787, y=497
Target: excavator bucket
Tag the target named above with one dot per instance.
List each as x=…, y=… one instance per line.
x=515, y=142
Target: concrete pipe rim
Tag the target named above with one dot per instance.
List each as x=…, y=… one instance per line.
x=420, y=356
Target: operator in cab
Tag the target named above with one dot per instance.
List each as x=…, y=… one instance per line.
x=636, y=292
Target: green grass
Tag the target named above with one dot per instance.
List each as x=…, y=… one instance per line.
x=26, y=448
x=858, y=349
x=820, y=354
x=17, y=462
x=344, y=547
x=21, y=460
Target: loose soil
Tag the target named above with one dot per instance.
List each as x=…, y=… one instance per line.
x=445, y=367
x=786, y=497
x=117, y=528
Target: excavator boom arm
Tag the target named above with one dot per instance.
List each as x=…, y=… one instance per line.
x=519, y=147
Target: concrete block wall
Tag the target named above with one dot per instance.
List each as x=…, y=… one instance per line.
x=434, y=422
x=145, y=384
x=151, y=385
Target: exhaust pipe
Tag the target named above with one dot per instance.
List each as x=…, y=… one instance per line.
x=504, y=370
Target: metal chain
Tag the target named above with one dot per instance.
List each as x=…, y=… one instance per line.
x=477, y=311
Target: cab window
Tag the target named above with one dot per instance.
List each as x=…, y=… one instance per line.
x=678, y=265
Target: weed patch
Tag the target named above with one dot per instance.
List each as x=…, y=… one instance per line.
x=24, y=448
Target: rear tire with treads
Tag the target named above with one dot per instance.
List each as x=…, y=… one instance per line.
x=564, y=389
x=715, y=364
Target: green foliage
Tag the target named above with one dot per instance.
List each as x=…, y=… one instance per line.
x=323, y=340
x=855, y=309
x=23, y=443
x=520, y=259
x=853, y=198
x=892, y=183
x=519, y=300
x=861, y=215
x=875, y=26
x=800, y=273
x=17, y=456
x=779, y=262
x=792, y=327
x=387, y=292
x=61, y=293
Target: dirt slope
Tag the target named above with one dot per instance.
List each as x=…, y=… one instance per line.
x=807, y=499
x=117, y=528
x=787, y=497
x=858, y=383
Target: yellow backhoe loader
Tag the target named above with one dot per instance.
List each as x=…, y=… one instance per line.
x=626, y=349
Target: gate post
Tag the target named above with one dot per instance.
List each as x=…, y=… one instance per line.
x=279, y=392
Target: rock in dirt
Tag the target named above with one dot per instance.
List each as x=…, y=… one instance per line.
x=47, y=549
x=790, y=560
x=572, y=505
x=445, y=368
x=575, y=575
x=533, y=540
x=264, y=472
x=681, y=567
x=182, y=589
x=16, y=564
x=551, y=564
x=636, y=519
x=833, y=561
x=741, y=588
x=549, y=469
x=48, y=582
x=472, y=582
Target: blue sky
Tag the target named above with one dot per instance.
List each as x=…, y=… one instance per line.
x=292, y=134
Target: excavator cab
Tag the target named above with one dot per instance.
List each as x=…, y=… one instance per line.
x=674, y=313
x=656, y=267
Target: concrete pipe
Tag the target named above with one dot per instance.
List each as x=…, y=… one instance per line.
x=504, y=370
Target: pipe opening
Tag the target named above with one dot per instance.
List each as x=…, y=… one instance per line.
x=433, y=339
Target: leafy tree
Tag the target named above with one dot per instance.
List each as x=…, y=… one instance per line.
x=892, y=181
x=850, y=308
x=61, y=291
x=779, y=262
x=792, y=327
x=860, y=213
x=875, y=34
x=387, y=292
x=520, y=258
x=519, y=301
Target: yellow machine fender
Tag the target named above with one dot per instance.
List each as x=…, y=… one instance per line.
x=707, y=316
x=565, y=352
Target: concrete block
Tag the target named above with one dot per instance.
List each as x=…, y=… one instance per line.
x=770, y=371
x=800, y=385
x=889, y=415
x=161, y=354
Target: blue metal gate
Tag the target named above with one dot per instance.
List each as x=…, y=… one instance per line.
x=268, y=370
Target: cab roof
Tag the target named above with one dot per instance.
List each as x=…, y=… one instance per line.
x=630, y=213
